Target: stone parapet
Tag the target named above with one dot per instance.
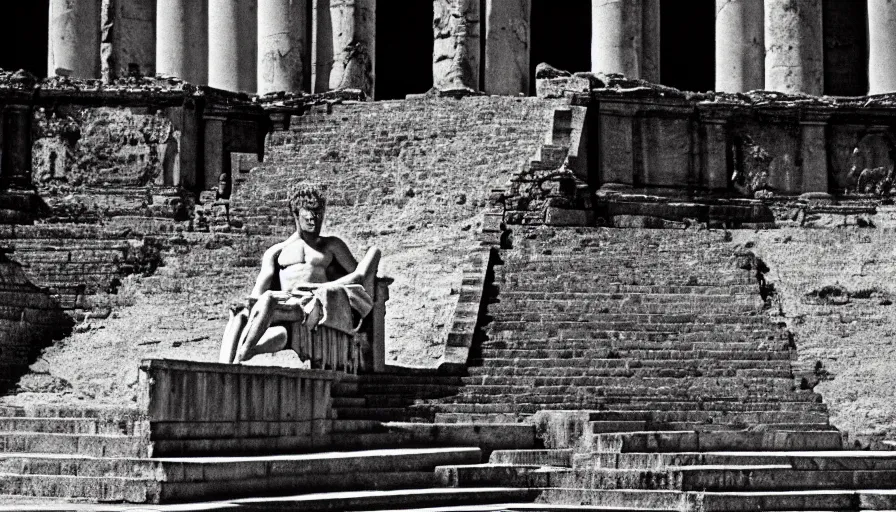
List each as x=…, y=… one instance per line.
x=211, y=408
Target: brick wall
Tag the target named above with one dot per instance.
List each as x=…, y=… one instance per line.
x=411, y=177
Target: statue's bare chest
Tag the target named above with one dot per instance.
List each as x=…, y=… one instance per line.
x=300, y=253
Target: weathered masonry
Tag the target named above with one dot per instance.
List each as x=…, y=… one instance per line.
x=389, y=49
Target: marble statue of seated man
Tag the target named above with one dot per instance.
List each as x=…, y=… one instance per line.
x=306, y=278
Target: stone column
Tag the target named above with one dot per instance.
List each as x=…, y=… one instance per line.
x=794, y=60
x=740, y=45
x=232, y=43
x=881, y=46
x=74, y=38
x=456, y=51
x=281, y=45
x=182, y=39
x=321, y=46
x=354, y=37
x=507, y=40
x=625, y=38
x=128, y=38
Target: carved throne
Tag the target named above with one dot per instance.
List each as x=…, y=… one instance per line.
x=331, y=349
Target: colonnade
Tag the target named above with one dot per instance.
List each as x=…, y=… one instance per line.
x=316, y=45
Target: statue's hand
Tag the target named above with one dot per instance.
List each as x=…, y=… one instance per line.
x=304, y=287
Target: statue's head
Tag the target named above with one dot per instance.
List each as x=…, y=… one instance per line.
x=307, y=204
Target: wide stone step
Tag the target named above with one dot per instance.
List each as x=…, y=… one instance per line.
x=647, y=354
x=510, y=475
x=578, y=286
x=833, y=500
x=608, y=298
x=651, y=442
x=77, y=444
x=488, y=407
x=103, y=488
x=533, y=457
x=386, y=500
x=581, y=330
x=66, y=425
x=809, y=461
x=177, y=479
x=727, y=478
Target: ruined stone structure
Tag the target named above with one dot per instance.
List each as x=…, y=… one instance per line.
x=793, y=46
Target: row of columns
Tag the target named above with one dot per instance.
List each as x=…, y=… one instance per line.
x=263, y=45
x=778, y=45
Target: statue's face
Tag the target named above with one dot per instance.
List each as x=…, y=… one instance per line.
x=311, y=221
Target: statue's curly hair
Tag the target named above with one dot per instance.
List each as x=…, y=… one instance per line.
x=308, y=196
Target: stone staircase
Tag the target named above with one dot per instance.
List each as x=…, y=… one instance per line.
x=651, y=329
x=84, y=456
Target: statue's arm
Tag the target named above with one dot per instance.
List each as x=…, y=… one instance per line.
x=343, y=255
x=268, y=270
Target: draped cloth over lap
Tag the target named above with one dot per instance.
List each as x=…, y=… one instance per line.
x=342, y=307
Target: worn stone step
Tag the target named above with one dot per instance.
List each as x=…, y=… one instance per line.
x=727, y=478
x=642, y=352
x=67, y=425
x=55, y=411
x=809, y=461
x=705, y=416
x=79, y=444
x=533, y=457
x=102, y=488
x=510, y=475
x=717, y=441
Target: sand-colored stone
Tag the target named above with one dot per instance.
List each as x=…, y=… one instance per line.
x=281, y=45
x=507, y=43
x=74, y=38
x=232, y=43
x=182, y=39
x=740, y=45
x=128, y=38
x=881, y=46
x=354, y=38
x=456, y=50
x=793, y=46
x=625, y=38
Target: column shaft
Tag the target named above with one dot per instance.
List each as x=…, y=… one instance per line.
x=740, y=45
x=881, y=46
x=182, y=39
x=794, y=60
x=321, y=46
x=281, y=45
x=507, y=40
x=625, y=38
x=74, y=38
x=456, y=51
x=354, y=31
x=128, y=39
x=232, y=43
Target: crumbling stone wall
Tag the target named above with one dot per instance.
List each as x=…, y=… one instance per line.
x=29, y=319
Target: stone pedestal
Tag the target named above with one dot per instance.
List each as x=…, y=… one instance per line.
x=794, y=61
x=182, y=39
x=625, y=38
x=507, y=45
x=321, y=46
x=281, y=45
x=73, y=47
x=354, y=30
x=232, y=43
x=456, y=50
x=128, y=39
x=881, y=46
x=740, y=45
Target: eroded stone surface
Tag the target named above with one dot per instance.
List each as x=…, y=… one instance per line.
x=281, y=45
x=456, y=45
x=794, y=47
x=507, y=46
x=354, y=29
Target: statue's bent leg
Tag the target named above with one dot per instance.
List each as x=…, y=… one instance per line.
x=230, y=340
x=273, y=340
x=365, y=273
x=258, y=322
